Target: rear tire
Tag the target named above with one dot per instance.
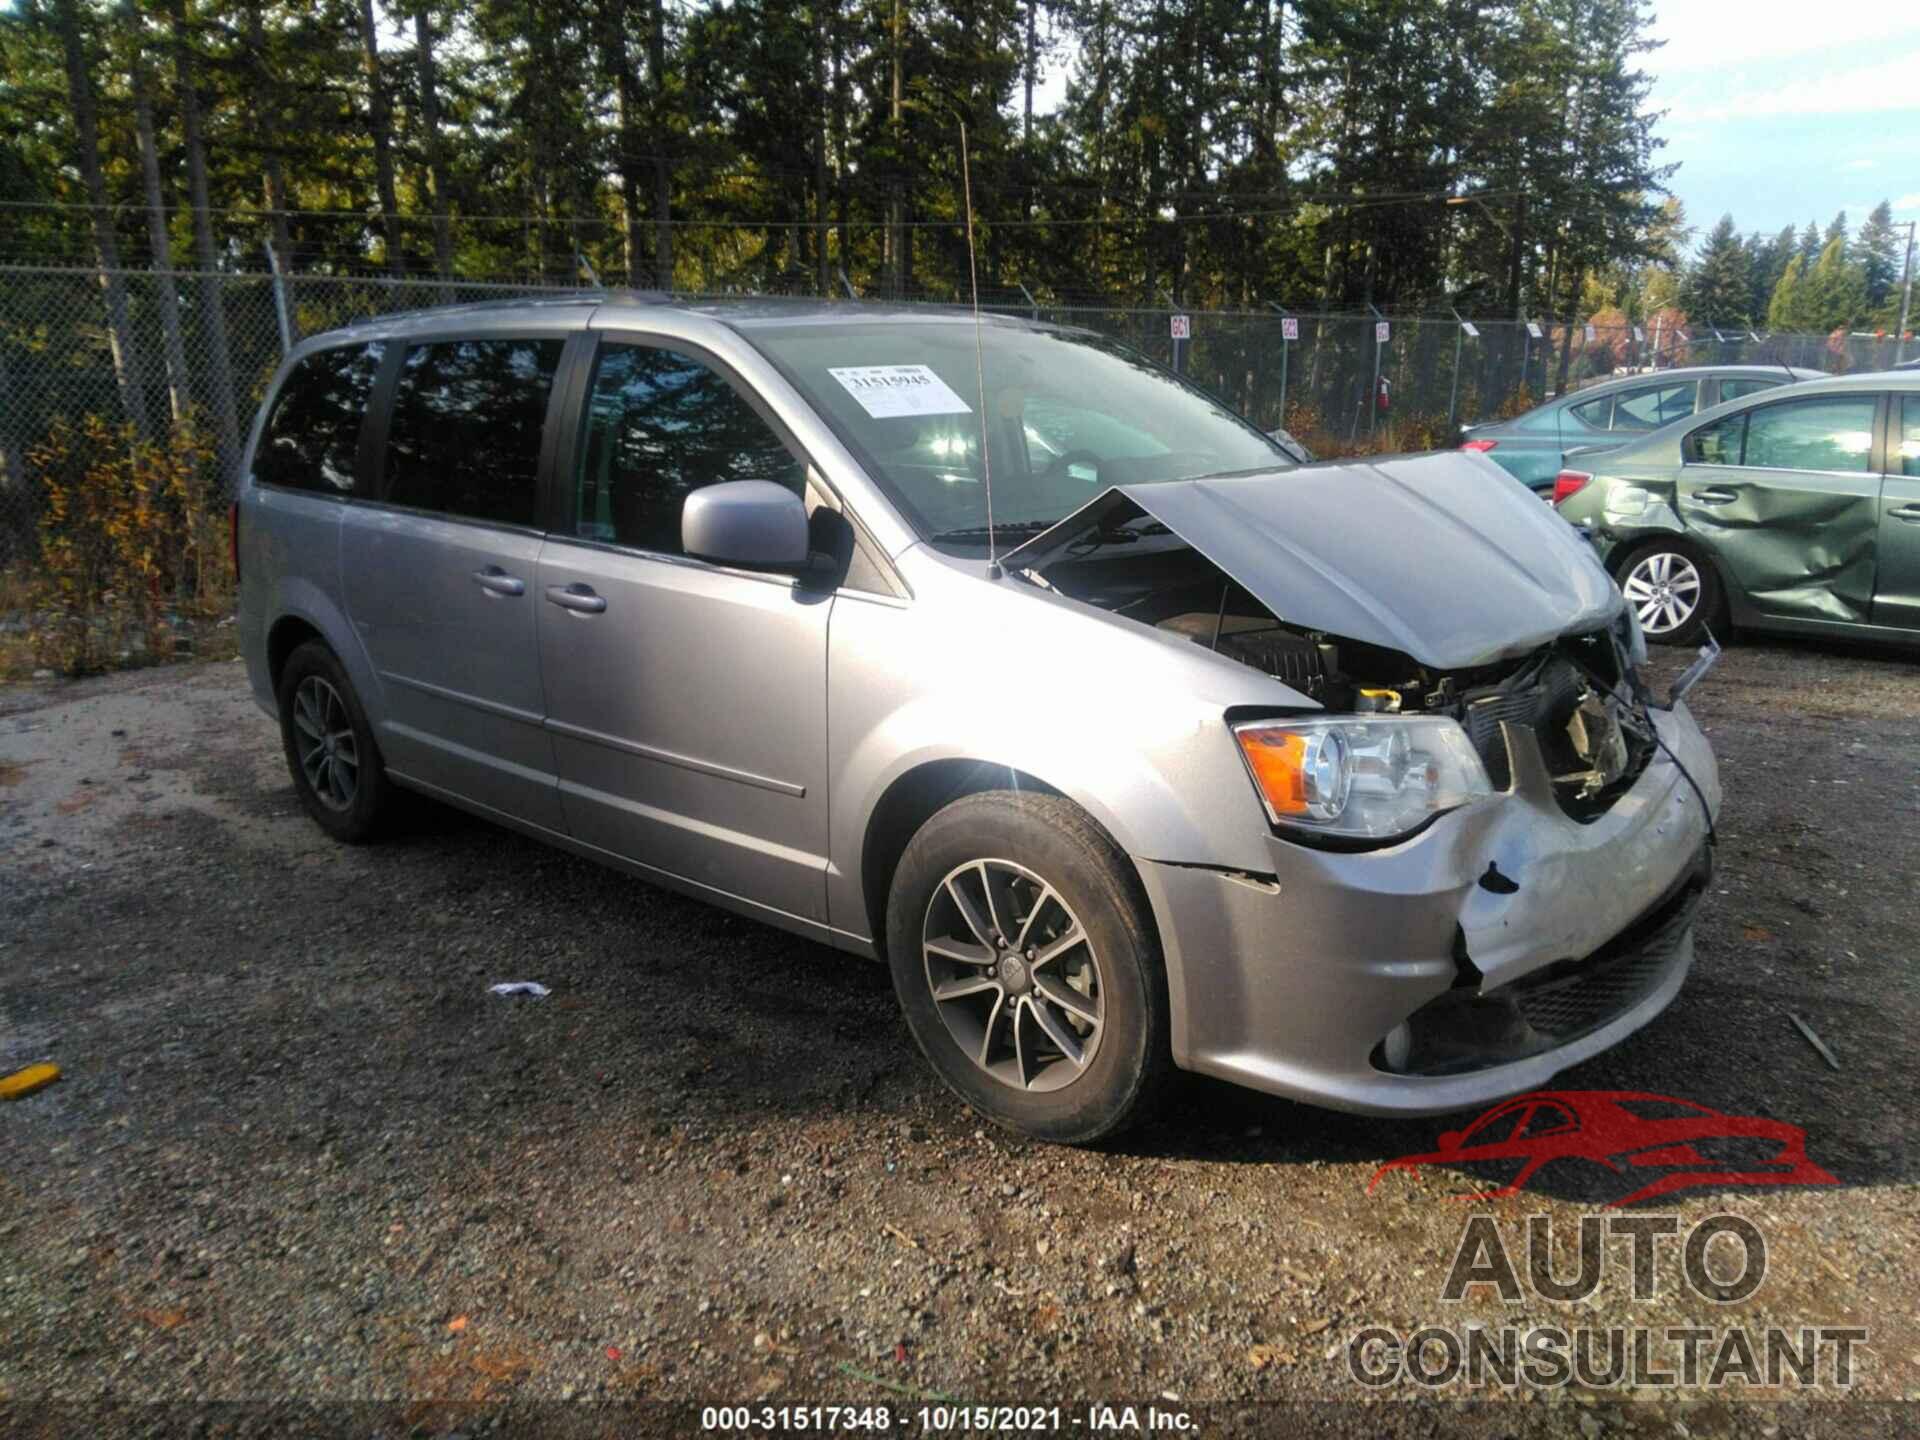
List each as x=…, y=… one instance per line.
x=1065, y=1039
x=330, y=749
x=1674, y=589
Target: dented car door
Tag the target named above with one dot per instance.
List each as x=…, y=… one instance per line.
x=1788, y=497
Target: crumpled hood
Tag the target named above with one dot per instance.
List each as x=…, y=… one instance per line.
x=1443, y=557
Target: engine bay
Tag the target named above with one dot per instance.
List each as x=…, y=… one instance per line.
x=1578, y=695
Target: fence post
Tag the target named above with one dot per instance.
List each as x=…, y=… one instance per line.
x=280, y=303
x=1281, y=310
x=1906, y=301
x=1453, y=398
x=1033, y=304
x=1373, y=391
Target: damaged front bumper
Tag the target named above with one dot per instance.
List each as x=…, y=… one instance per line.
x=1471, y=962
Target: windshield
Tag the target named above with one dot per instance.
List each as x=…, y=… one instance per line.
x=1067, y=416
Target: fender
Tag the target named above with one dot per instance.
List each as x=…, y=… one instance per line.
x=1159, y=771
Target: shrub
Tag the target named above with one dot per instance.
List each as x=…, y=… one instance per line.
x=132, y=543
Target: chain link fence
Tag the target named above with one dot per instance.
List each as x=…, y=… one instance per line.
x=144, y=347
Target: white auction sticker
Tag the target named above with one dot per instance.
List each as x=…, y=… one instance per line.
x=887, y=392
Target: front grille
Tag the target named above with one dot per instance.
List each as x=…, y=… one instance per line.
x=1565, y=1008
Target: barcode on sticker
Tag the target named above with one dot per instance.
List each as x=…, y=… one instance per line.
x=888, y=391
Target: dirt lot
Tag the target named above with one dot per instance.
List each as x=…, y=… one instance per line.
x=299, y=1153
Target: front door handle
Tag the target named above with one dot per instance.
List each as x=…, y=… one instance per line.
x=496, y=581
x=1910, y=513
x=1715, y=497
x=577, y=597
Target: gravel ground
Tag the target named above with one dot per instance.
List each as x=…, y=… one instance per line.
x=300, y=1154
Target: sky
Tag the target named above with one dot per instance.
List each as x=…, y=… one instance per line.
x=1782, y=111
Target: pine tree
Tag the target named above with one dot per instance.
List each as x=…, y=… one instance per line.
x=1810, y=243
x=1879, y=250
x=1836, y=288
x=1770, y=259
x=1717, y=290
x=1787, y=310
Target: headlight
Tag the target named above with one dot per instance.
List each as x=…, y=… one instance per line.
x=1369, y=779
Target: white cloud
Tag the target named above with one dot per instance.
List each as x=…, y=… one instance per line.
x=1882, y=87
x=1714, y=34
x=1863, y=165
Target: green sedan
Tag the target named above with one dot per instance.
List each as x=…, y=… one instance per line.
x=1797, y=510
x=1533, y=446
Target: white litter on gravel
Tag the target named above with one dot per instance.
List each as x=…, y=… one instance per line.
x=520, y=987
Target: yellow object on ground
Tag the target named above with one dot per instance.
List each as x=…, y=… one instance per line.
x=23, y=1083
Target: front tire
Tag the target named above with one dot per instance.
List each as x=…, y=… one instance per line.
x=330, y=749
x=1025, y=960
x=1675, y=591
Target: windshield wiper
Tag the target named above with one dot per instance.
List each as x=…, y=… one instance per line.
x=981, y=532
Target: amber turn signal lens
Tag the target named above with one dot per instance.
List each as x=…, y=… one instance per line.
x=1278, y=761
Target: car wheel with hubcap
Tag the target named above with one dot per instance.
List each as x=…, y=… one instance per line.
x=1673, y=590
x=330, y=749
x=1024, y=958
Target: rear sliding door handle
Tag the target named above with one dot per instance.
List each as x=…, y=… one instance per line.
x=1715, y=497
x=496, y=581
x=576, y=597
x=1906, y=512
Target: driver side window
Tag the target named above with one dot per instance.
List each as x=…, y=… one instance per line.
x=658, y=426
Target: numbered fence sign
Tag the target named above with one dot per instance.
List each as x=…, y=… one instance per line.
x=1533, y=328
x=1182, y=327
x=1638, y=334
x=1592, y=335
x=1381, y=332
x=1473, y=330
x=1289, y=328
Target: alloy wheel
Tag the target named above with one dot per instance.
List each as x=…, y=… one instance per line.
x=1664, y=589
x=324, y=743
x=1014, y=975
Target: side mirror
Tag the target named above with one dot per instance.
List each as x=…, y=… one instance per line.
x=754, y=524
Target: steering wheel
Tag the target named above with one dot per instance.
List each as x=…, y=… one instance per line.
x=1059, y=465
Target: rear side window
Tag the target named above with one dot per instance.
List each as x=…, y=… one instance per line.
x=1650, y=408
x=1593, y=414
x=465, y=434
x=314, y=432
x=659, y=426
x=1733, y=389
x=1910, y=435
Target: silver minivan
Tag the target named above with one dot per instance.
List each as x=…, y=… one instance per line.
x=995, y=652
